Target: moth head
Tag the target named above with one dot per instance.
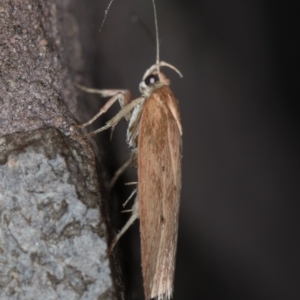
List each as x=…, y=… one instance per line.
x=154, y=78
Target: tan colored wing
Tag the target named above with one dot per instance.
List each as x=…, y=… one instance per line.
x=159, y=175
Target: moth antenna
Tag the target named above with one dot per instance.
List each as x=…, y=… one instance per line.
x=157, y=38
x=105, y=14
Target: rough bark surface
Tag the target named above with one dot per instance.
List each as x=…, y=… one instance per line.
x=52, y=236
x=52, y=240
x=34, y=77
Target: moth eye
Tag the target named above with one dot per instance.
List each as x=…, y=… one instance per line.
x=151, y=79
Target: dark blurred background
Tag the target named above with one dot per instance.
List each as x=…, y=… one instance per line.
x=239, y=99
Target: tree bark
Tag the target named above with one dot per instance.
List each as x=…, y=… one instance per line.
x=53, y=239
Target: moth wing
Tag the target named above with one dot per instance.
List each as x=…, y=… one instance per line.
x=159, y=175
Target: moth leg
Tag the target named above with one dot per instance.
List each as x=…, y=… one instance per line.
x=134, y=216
x=119, y=172
x=122, y=100
x=114, y=121
x=108, y=93
x=131, y=195
x=101, y=92
x=131, y=161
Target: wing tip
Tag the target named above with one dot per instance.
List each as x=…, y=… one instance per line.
x=167, y=295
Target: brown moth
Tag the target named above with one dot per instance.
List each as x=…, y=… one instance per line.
x=154, y=136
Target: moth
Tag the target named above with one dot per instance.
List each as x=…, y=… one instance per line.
x=154, y=137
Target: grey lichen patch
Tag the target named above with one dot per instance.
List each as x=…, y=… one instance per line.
x=51, y=242
x=76, y=280
x=71, y=229
x=53, y=279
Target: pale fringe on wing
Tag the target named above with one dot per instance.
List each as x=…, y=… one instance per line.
x=165, y=288
x=165, y=296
